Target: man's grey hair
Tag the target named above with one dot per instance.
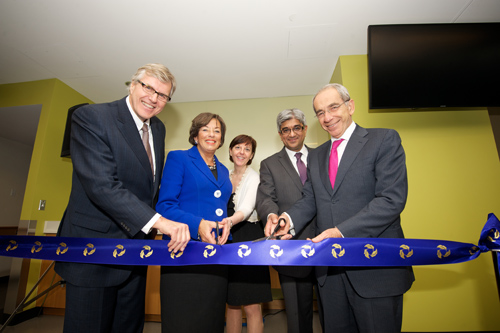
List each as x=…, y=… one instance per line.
x=344, y=94
x=290, y=114
x=159, y=72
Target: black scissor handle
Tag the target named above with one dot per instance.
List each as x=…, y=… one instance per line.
x=278, y=226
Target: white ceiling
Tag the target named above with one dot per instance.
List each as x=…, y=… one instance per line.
x=218, y=50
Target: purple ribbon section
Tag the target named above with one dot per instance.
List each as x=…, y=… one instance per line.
x=366, y=252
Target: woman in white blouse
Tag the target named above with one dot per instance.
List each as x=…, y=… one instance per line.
x=249, y=286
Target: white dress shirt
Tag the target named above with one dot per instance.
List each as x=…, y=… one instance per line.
x=138, y=122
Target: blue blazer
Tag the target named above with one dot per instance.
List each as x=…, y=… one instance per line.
x=189, y=191
x=113, y=191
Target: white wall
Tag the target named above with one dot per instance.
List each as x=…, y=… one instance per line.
x=15, y=162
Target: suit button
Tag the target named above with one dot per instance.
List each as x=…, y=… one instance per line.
x=219, y=212
x=217, y=194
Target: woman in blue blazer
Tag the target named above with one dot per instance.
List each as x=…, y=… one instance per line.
x=195, y=189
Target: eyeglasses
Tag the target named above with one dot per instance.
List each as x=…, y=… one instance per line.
x=330, y=109
x=297, y=129
x=151, y=91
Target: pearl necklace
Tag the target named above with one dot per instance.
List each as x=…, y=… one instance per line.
x=212, y=167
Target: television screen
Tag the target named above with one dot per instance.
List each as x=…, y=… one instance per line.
x=434, y=65
x=65, y=151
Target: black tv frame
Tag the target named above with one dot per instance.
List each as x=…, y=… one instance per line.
x=440, y=65
x=66, y=149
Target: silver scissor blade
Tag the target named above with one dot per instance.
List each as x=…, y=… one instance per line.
x=271, y=236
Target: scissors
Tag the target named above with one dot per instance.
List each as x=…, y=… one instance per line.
x=217, y=232
x=272, y=235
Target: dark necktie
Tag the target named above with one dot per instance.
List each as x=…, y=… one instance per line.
x=302, y=168
x=145, y=141
x=334, y=162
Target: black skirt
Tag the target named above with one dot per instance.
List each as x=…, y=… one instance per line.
x=247, y=284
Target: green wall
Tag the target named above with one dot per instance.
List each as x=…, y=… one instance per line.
x=49, y=175
x=255, y=117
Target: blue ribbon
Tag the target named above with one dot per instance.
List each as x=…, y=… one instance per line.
x=330, y=252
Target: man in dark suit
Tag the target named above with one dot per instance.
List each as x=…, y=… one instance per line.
x=366, y=199
x=280, y=186
x=116, y=176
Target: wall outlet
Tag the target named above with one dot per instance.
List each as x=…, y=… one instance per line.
x=51, y=227
x=41, y=205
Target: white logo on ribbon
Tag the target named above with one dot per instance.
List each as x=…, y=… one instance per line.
x=209, y=251
x=275, y=251
x=244, y=251
x=307, y=251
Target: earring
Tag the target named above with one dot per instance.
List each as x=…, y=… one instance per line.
x=195, y=142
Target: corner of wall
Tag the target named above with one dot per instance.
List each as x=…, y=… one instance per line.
x=49, y=176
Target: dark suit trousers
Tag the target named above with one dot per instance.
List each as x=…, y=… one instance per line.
x=298, y=294
x=345, y=311
x=117, y=309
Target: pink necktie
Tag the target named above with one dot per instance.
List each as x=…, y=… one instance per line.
x=334, y=162
x=145, y=141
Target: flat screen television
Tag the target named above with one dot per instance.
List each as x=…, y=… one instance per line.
x=65, y=150
x=450, y=65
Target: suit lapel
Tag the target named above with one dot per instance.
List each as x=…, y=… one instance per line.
x=159, y=148
x=223, y=173
x=356, y=143
x=200, y=164
x=289, y=169
x=323, y=160
x=129, y=131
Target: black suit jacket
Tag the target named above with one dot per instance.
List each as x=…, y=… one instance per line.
x=369, y=194
x=113, y=191
x=280, y=187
